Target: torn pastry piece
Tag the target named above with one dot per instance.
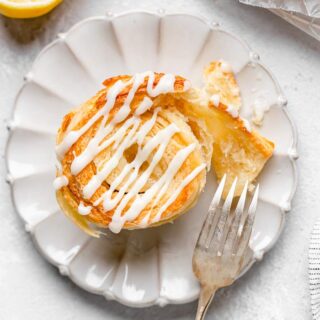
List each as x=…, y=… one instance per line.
x=129, y=158
x=238, y=150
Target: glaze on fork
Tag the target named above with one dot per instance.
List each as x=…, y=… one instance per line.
x=222, y=244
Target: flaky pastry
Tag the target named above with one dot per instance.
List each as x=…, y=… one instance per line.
x=136, y=154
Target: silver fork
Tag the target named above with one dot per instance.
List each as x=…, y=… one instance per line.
x=223, y=242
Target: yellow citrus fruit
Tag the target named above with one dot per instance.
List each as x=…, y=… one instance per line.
x=26, y=8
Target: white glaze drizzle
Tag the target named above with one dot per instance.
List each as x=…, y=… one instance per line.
x=165, y=84
x=246, y=124
x=174, y=196
x=232, y=110
x=60, y=182
x=95, y=146
x=145, y=105
x=74, y=135
x=180, y=158
x=122, y=140
x=125, y=108
x=215, y=99
x=174, y=166
x=84, y=210
x=141, y=157
x=161, y=185
x=96, y=180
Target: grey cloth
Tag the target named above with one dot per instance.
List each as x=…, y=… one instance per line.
x=314, y=270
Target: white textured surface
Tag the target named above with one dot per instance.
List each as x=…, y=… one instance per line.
x=275, y=289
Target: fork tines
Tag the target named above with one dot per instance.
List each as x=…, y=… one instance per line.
x=226, y=231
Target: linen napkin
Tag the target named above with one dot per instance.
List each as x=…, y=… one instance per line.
x=314, y=270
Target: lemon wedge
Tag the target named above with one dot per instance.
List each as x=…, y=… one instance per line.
x=26, y=8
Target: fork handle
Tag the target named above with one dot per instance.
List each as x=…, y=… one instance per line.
x=206, y=296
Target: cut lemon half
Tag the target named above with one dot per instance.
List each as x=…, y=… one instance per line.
x=26, y=8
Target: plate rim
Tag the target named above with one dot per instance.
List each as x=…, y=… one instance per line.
x=212, y=25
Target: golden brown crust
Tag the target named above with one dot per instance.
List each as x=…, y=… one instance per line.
x=71, y=195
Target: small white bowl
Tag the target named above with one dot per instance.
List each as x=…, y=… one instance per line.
x=153, y=266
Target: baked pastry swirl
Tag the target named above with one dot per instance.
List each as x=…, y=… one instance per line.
x=136, y=154
x=128, y=157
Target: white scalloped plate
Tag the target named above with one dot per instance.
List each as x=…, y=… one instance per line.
x=153, y=266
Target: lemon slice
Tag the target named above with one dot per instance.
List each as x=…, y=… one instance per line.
x=26, y=8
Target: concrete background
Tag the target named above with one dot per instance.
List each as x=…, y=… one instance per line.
x=276, y=288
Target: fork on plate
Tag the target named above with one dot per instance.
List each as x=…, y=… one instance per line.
x=218, y=258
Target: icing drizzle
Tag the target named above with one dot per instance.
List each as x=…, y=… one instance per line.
x=60, y=182
x=132, y=131
x=84, y=210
